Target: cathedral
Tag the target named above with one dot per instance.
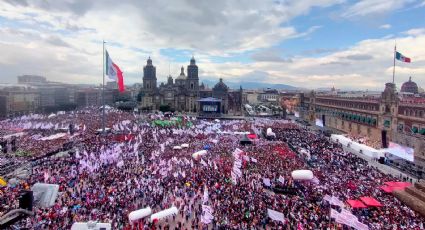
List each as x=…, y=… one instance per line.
x=183, y=93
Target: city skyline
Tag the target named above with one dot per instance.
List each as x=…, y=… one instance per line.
x=309, y=44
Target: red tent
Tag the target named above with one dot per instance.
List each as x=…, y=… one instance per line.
x=252, y=136
x=398, y=184
x=370, y=201
x=390, y=189
x=356, y=204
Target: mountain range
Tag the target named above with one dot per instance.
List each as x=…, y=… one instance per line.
x=250, y=85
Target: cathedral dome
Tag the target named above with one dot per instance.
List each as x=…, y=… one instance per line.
x=409, y=87
x=221, y=86
x=182, y=76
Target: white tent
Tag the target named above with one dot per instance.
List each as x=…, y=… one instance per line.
x=185, y=145
x=357, y=147
x=199, y=153
x=177, y=147
x=91, y=226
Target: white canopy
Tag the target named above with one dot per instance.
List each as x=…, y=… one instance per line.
x=177, y=147
x=357, y=147
x=199, y=153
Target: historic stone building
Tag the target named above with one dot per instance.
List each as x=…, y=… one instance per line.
x=389, y=117
x=183, y=93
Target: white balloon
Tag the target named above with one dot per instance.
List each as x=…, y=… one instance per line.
x=139, y=214
x=164, y=214
x=302, y=175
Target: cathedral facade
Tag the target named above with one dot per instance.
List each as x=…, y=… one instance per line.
x=182, y=94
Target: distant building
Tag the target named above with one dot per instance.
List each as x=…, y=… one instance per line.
x=183, y=93
x=269, y=95
x=252, y=97
x=382, y=119
x=16, y=101
x=88, y=97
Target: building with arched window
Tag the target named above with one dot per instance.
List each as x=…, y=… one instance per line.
x=183, y=92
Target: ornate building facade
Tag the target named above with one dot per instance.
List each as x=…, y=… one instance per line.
x=183, y=93
x=383, y=119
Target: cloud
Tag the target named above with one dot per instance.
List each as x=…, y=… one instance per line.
x=374, y=7
x=385, y=26
x=62, y=40
x=340, y=63
x=359, y=57
x=269, y=55
x=415, y=32
x=319, y=51
x=57, y=41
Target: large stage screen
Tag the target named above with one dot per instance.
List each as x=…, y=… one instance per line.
x=209, y=108
x=401, y=151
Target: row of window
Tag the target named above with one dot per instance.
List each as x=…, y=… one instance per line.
x=348, y=104
x=415, y=129
x=414, y=113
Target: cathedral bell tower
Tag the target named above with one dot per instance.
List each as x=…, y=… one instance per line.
x=192, y=77
x=149, y=77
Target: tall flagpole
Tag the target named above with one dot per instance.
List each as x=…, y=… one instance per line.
x=103, y=89
x=395, y=50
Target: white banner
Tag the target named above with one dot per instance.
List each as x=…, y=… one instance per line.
x=275, y=215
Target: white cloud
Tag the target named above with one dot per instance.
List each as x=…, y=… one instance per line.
x=62, y=41
x=55, y=28
x=374, y=7
x=415, y=31
x=385, y=26
x=368, y=65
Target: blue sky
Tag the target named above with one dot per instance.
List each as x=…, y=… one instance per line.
x=306, y=43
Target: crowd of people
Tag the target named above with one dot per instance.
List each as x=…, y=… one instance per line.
x=103, y=178
x=365, y=140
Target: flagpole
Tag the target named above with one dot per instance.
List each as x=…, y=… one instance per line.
x=103, y=88
x=395, y=50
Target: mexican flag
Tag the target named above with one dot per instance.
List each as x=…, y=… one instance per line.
x=114, y=72
x=401, y=57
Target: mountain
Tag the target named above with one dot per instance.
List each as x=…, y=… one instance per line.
x=250, y=85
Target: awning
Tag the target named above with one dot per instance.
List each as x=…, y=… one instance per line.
x=356, y=204
x=390, y=189
x=398, y=184
x=370, y=201
x=414, y=129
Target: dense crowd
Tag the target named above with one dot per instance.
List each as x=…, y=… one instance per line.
x=365, y=140
x=104, y=178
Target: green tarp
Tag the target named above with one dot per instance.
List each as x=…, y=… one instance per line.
x=415, y=129
x=168, y=123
